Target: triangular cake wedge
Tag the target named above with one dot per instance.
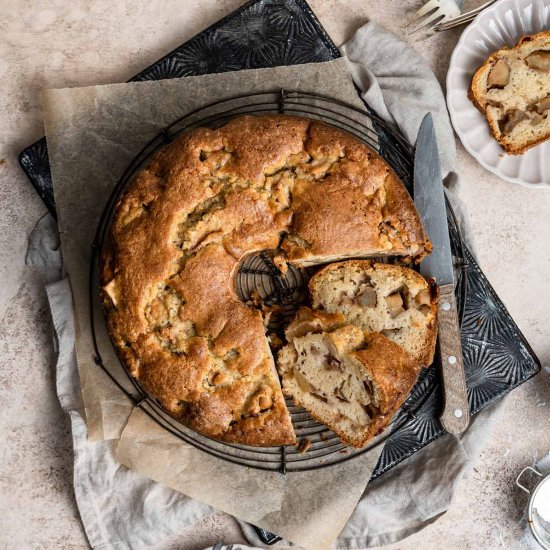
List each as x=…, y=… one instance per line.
x=350, y=380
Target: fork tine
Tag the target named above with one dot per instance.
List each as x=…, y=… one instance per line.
x=429, y=21
x=452, y=22
x=461, y=19
x=424, y=10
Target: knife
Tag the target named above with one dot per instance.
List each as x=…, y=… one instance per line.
x=429, y=199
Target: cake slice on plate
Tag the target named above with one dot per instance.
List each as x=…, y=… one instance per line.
x=512, y=89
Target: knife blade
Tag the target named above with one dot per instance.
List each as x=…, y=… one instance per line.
x=429, y=199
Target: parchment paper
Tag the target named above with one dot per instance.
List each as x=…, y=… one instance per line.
x=93, y=133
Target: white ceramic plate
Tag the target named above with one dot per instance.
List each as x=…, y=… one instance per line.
x=502, y=24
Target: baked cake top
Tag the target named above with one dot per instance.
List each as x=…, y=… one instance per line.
x=186, y=221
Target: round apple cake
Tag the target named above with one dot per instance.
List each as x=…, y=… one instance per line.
x=184, y=224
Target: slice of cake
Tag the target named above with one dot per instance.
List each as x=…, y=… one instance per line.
x=512, y=89
x=393, y=300
x=352, y=381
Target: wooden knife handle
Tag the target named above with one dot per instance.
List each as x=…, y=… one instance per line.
x=456, y=412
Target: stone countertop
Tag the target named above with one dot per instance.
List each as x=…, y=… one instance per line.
x=59, y=44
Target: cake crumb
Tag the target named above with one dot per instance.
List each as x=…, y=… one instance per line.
x=280, y=264
x=304, y=445
x=275, y=341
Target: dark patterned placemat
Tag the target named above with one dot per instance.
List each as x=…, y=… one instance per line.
x=268, y=33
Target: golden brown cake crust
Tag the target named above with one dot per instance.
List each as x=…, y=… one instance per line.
x=394, y=373
x=187, y=219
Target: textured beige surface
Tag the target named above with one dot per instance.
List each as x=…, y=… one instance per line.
x=58, y=44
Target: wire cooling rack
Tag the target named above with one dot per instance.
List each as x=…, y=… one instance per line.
x=261, y=284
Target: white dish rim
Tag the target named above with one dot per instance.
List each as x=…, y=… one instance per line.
x=480, y=19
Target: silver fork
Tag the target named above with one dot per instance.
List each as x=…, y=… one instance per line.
x=461, y=19
x=432, y=13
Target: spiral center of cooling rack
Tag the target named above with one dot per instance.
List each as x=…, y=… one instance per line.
x=261, y=284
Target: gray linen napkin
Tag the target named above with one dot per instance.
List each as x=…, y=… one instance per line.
x=121, y=509
x=400, y=86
